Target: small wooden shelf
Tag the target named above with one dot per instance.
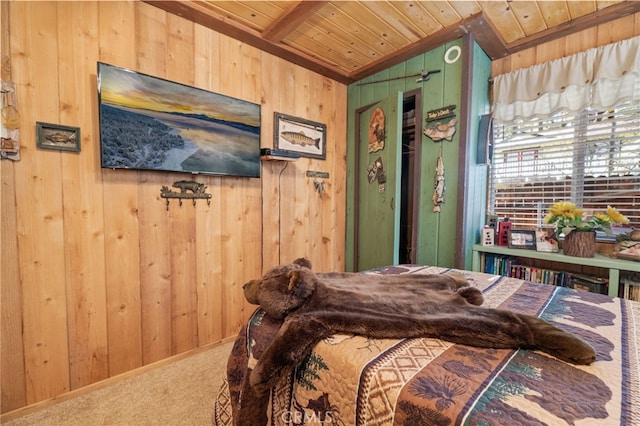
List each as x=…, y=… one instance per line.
x=277, y=158
x=599, y=260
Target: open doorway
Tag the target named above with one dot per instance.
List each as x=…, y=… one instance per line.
x=410, y=176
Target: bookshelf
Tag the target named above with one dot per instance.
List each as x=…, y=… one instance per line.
x=599, y=260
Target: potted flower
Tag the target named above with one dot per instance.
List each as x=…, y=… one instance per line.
x=579, y=229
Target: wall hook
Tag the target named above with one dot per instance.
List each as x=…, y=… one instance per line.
x=319, y=187
x=187, y=189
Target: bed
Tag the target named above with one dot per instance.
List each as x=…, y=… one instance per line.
x=354, y=380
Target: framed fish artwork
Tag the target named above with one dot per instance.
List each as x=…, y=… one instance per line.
x=305, y=137
x=57, y=136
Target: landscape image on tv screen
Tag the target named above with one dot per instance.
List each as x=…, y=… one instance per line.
x=148, y=123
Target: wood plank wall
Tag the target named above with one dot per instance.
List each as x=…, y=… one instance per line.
x=98, y=277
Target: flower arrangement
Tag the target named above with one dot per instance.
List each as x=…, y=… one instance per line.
x=567, y=217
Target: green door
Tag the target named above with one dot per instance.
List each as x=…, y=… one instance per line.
x=378, y=180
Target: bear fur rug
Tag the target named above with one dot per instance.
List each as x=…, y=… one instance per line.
x=315, y=306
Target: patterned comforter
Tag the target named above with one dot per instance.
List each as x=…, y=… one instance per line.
x=355, y=380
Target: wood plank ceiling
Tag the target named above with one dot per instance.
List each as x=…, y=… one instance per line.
x=350, y=40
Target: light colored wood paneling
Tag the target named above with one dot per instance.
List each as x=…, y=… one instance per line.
x=12, y=379
x=182, y=220
x=554, y=12
x=529, y=16
x=12, y=385
x=208, y=226
x=105, y=279
x=39, y=210
x=121, y=207
x=83, y=201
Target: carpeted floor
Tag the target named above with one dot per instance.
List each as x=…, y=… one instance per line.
x=180, y=393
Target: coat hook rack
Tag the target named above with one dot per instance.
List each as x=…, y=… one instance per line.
x=188, y=189
x=318, y=183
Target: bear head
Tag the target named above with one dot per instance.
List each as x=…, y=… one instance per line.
x=283, y=288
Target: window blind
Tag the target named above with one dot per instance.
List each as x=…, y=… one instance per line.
x=591, y=158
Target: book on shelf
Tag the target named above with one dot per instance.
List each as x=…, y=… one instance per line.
x=509, y=266
x=589, y=283
x=631, y=287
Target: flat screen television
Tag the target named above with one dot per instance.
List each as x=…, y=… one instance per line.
x=149, y=123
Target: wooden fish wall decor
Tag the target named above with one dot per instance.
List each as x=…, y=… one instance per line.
x=438, y=192
x=441, y=124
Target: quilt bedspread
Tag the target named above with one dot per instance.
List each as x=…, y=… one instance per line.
x=355, y=380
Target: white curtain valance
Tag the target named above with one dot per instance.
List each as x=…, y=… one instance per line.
x=597, y=78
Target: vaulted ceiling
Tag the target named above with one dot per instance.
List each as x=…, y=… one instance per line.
x=350, y=40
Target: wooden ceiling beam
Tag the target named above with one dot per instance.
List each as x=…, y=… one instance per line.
x=199, y=13
x=483, y=30
x=286, y=23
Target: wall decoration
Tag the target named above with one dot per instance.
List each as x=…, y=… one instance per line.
x=376, y=130
x=628, y=245
x=56, y=136
x=375, y=172
x=305, y=137
x=149, y=123
x=452, y=54
x=423, y=76
x=522, y=239
x=9, y=131
x=318, y=182
x=187, y=189
x=438, y=191
x=441, y=123
x=546, y=239
x=631, y=252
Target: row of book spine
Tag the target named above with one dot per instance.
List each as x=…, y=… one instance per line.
x=509, y=266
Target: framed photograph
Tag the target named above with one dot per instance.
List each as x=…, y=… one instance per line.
x=304, y=137
x=522, y=239
x=546, y=239
x=57, y=136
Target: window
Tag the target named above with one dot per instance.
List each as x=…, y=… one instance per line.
x=591, y=158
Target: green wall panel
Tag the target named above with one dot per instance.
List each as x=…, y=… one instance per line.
x=436, y=231
x=477, y=173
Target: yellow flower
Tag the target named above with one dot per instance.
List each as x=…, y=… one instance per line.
x=616, y=216
x=567, y=217
x=563, y=208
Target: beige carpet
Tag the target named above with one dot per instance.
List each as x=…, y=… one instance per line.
x=180, y=393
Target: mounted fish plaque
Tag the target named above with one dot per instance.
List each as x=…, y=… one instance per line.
x=441, y=123
x=304, y=137
x=187, y=189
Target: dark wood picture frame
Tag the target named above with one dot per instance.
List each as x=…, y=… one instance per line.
x=305, y=137
x=58, y=137
x=522, y=239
